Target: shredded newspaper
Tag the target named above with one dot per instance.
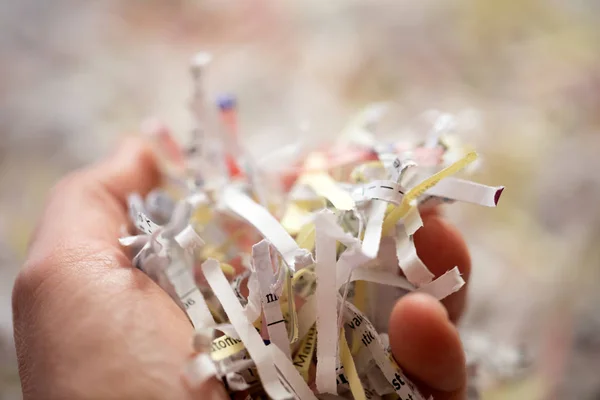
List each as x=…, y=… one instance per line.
x=249, y=247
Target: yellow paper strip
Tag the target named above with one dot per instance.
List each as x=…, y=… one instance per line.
x=225, y=346
x=360, y=300
x=399, y=212
x=217, y=313
x=292, y=316
x=325, y=186
x=294, y=218
x=306, y=237
x=358, y=392
x=305, y=352
x=227, y=269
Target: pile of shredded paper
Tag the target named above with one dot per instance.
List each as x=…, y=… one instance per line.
x=289, y=275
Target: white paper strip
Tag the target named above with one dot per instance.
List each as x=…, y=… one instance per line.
x=326, y=293
x=334, y=230
x=200, y=369
x=248, y=334
x=384, y=190
x=145, y=224
x=445, y=285
x=467, y=191
x=138, y=240
x=307, y=316
x=350, y=259
x=189, y=239
x=372, y=238
x=378, y=382
x=381, y=277
x=236, y=382
x=253, y=305
x=266, y=224
x=411, y=265
x=181, y=277
x=270, y=301
x=290, y=374
x=412, y=221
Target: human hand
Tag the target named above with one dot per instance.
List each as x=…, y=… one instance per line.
x=89, y=325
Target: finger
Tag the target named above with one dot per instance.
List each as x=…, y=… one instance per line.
x=426, y=344
x=441, y=247
x=87, y=208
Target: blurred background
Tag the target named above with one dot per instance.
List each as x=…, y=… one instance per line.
x=75, y=76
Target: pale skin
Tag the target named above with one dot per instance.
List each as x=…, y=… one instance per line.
x=89, y=326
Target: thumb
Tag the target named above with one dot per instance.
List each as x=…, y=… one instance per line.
x=90, y=204
x=131, y=168
x=427, y=346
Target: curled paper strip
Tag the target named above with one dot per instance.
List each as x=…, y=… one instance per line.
x=467, y=191
x=266, y=224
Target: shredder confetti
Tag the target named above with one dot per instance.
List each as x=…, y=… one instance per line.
x=275, y=267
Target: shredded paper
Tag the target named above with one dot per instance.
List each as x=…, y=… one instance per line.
x=275, y=263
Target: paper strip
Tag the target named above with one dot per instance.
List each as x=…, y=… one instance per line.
x=467, y=191
x=265, y=223
x=200, y=369
x=373, y=230
x=378, y=382
x=358, y=392
x=307, y=316
x=291, y=303
x=325, y=248
x=412, y=221
x=411, y=265
x=224, y=347
x=304, y=356
x=236, y=382
x=145, y=224
x=251, y=339
x=384, y=190
x=306, y=237
x=445, y=285
x=270, y=301
x=291, y=375
x=295, y=218
x=380, y=277
x=133, y=241
x=181, y=277
x=325, y=186
x=188, y=238
x=400, y=211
